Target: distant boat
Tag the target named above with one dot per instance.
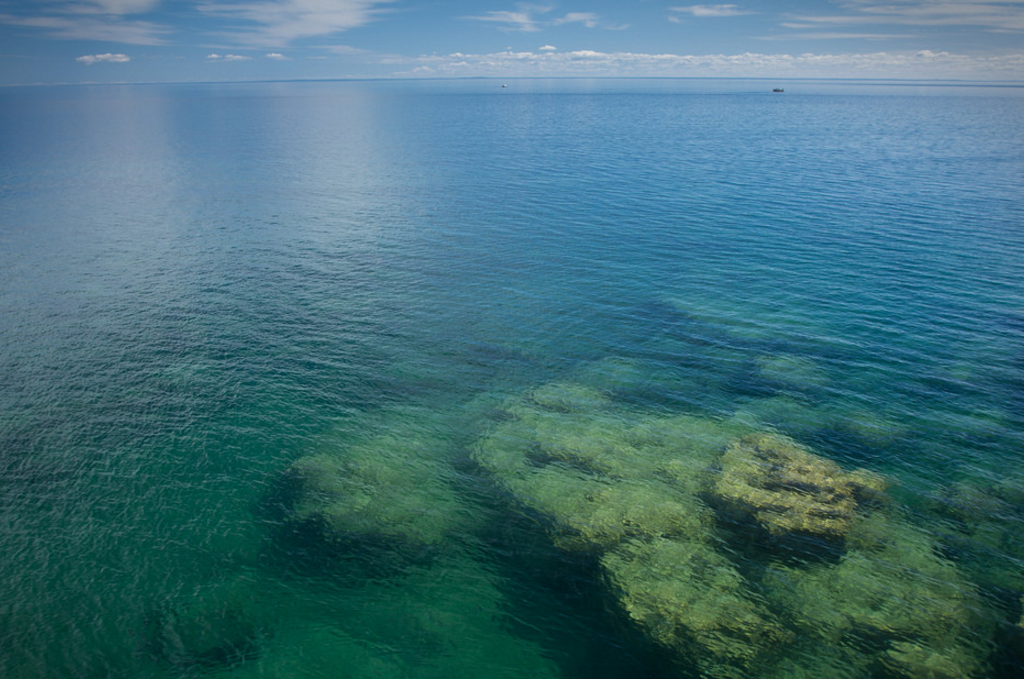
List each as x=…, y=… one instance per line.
x=778, y=89
x=503, y=86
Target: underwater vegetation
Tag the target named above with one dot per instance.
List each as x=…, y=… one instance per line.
x=788, y=490
x=734, y=547
x=390, y=489
x=731, y=542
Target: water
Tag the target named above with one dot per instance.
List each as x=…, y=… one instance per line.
x=439, y=379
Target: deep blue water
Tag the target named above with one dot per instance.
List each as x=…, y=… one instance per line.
x=265, y=350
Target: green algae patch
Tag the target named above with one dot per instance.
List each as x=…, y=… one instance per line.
x=690, y=598
x=787, y=489
x=914, y=661
x=392, y=487
x=655, y=499
x=625, y=486
x=596, y=478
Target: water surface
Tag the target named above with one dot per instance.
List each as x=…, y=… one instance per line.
x=288, y=372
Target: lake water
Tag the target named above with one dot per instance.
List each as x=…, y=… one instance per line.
x=580, y=379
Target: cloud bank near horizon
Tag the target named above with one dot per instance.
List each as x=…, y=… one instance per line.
x=923, y=65
x=911, y=39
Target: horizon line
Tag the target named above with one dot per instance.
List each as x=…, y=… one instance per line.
x=880, y=81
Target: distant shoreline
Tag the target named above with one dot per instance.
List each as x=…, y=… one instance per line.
x=881, y=82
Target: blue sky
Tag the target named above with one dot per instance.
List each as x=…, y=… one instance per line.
x=49, y=41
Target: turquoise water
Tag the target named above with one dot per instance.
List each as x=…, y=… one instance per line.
x=439, y=379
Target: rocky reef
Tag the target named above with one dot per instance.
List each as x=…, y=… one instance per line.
x=787, y=489
x=391, y=490
x=689, y=598
x=655, y=500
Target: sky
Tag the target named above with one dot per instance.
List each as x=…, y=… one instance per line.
x=78, y=41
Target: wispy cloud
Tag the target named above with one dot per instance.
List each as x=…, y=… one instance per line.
x=274, y=23
x=227, y=57
x=993, y=15
x=90, y=59
x=922, y=64
x=588, y=19
x=710, y=10
x=276, y=56
x=837, y=35
x=533, y=18
x=102, y=20
x=117, y=7
x=511, y=21
x=343, y=49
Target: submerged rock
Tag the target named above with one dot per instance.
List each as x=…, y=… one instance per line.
x=596, y=479
x=626, y=489
x=914, y=661
x=890, y=587
x=391, y=488
x=632, y=490
x=690, y=598
x=787, y=489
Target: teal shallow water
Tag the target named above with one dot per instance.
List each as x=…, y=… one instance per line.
x=273, y=358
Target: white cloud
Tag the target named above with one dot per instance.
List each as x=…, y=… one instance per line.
x=226, y=57
x=709, y=11
x=98, y=28
x=90, y=59
x=548, y=48
x=837, y=35
x=274, y=23
x=524, y=19
x=277, y=56
x=997, y=15
x=911, y=65
x=514, y=21
x=588, y=19
x=118, y=7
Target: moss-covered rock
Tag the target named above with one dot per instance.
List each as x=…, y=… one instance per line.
x=636, y=491
x=890, y=587
x=787, y=489
x=690, y=598
x=391, y=487
x=598, y=478
x=624, y=486
x=915, y=661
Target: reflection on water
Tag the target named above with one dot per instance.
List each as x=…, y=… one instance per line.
x=584, y=380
